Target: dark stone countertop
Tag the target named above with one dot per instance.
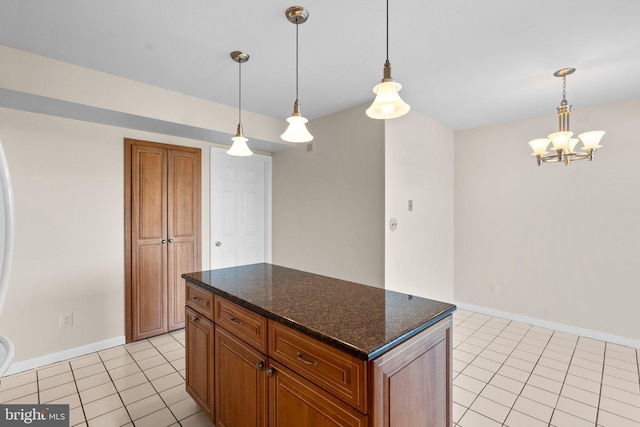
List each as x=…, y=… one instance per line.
x=361, y=320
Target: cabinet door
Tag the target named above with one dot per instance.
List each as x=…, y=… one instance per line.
x=241, y=383
x=412, y=382
x=183, y=228
x=200, y=351
x=295, y=402
x=148, y=242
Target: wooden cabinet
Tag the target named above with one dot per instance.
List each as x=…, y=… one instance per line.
x=199, y=335
x=268, y=374
x=162, y=234
x=412, y=383
x=240, y=383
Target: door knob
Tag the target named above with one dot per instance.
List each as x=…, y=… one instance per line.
x=218, y=243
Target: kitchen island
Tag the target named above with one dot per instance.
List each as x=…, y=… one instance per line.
x=272, y=346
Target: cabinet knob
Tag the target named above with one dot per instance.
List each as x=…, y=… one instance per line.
x=270, y=371
x=260, y=365
x=218, y=243
x=171, y=240
x=194, y=318
x=163, y=241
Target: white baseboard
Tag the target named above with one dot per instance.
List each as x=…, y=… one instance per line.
x=48, y=359
x=588, y=333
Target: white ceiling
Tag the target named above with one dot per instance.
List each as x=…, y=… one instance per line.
x=465, y=63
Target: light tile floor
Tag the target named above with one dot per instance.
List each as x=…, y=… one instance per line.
x=139, y=384
x=513, y=374
x=505, y=374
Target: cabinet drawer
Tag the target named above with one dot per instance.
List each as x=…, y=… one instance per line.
x=339, y=373
x=244, y=323
x=200, y=300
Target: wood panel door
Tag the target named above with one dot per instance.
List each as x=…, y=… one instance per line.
x=241, y=391
x=162, y=234
x=149, y=239
x=183, y=228
x=199, y=335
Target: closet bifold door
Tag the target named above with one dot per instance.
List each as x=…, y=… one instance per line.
x=162, y=234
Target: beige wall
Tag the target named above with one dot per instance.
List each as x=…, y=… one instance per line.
x=419, y=167
x=68, y=179
x=328, y=207
x=561, y=243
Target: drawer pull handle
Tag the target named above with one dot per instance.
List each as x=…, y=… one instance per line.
x=305, y=361
x=236, y=321
x=194, y=318
x=197, y=299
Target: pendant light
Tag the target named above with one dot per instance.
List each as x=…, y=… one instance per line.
x=239, y=146
x=388, y=104
x=297, y=130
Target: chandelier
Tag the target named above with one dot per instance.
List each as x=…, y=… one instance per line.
x=562, y=141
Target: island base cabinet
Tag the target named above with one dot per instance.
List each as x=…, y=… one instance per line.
x=241, y=385
x=295, y=402
x=199, y=336
x=412, y=383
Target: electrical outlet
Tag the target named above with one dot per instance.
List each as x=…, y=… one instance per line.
x=494, y=290
x=66, y=320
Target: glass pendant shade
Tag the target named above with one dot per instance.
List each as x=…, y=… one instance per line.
x=591, y=139
x=239, y=147
x=297, y=130
x=539, y=146
x=572, y=145
x=388, y=104
x=560, y=140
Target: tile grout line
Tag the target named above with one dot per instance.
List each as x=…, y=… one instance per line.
x=149, y=380
x=564, y=379
x=495, y=373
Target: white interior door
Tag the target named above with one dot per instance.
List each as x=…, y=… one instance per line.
x=240, y=209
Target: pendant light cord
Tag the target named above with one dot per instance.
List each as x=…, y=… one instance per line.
x=297, y=60
x=387, y=30
x=240, y=92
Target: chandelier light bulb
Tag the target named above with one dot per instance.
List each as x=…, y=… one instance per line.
x=591, y=139
x=539, y=146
